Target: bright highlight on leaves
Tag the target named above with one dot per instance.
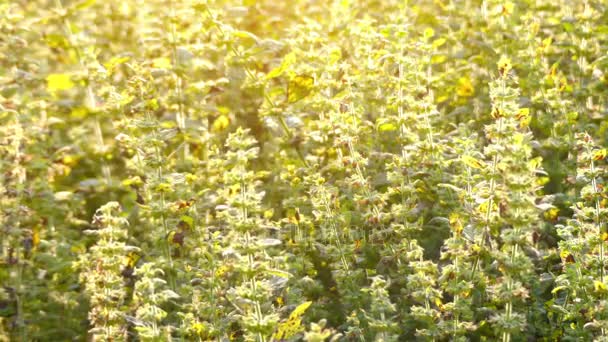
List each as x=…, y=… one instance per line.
x=162, y=63
x=59, y=82
x=221, y=123
x=293, y=325
x=387, y=127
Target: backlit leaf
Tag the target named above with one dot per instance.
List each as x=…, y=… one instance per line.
x=299, y=87
x=58, y=82
x=472, y=162
x=288, y=61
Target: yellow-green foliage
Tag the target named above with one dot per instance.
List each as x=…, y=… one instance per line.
x=390, y=170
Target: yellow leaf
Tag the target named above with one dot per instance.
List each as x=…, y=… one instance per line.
x=79, y=112
x=523, y=113
x=535, y=163
x=131, y=259
x=600, y=154
x=58, y=82
x=485, y=208
x=387, y=127
x=288, y=61
x=84, y=4
x=438, y=302
x=220, y=271
x=465, y=87
x=292, y=325
x=542, y=180
x=36, y=237
x=438, y=59
x=221, y=123
x=299, y=87
x=472, y=162
x=300, y=310
x=245, y=35
x=78, y=249
x=456, y=223
x=438, y=42
x=551, y=214
x=114, y=62
x=161, y=63
x=504, y=65
x=507, y=8
x=334, y=56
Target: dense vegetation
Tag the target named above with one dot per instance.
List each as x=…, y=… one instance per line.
x=303, y=170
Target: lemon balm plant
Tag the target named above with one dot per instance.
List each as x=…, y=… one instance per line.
x=582, y=249
x=340, y=170
x=258, y=268
x=102, y=276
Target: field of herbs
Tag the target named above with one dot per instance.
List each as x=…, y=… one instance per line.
x=303, y=170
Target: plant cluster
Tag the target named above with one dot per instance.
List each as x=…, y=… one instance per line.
x=218, y=170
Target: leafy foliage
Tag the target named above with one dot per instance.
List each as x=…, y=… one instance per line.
x=303, y=170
